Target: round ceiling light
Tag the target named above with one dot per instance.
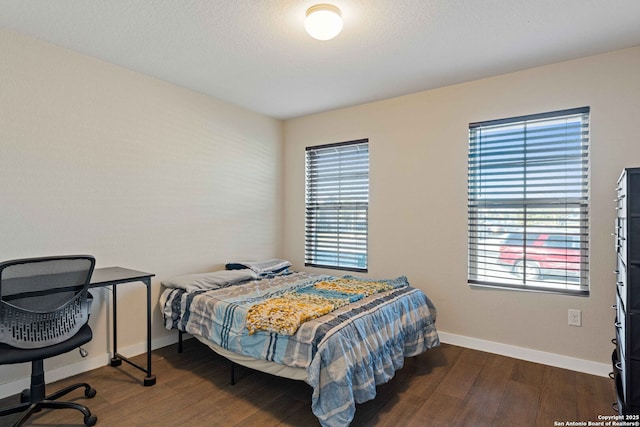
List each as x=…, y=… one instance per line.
x=323, y=22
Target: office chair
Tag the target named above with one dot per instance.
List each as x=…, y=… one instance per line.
x=44, y=310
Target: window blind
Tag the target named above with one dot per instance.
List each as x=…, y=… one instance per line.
x=528, y=202
x=337, y=204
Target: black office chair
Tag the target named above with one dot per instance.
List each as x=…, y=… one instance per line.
x=44, y=310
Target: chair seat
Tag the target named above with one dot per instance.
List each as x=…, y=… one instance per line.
x=9, y=355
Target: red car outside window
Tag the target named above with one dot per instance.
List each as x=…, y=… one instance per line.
x=540, y=255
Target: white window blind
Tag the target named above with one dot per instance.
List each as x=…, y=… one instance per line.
x=337, y=204
x=528, y=202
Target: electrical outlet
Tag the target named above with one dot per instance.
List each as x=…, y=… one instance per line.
x=575, y=317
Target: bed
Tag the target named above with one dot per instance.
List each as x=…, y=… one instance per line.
x=342, y=353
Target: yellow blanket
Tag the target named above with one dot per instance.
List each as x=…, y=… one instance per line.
x=285, y=314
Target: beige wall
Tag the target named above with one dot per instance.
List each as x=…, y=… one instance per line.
x=98, y=159
x=418, y=207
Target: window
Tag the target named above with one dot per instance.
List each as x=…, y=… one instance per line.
x=528, y=202
x=337, y=205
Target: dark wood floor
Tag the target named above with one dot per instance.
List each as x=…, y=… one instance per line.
x=447, y=386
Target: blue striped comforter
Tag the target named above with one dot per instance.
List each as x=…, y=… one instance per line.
x=346, y=353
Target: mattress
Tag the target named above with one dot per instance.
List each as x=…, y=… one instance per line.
x=272, y=368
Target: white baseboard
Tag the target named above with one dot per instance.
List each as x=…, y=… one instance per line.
x=86, y=364
x=551, y=359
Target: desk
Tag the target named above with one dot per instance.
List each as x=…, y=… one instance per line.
x=114, y=276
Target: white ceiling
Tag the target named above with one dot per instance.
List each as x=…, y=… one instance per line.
x=256, y=53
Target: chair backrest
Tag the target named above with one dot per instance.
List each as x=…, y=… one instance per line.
x=43, y=301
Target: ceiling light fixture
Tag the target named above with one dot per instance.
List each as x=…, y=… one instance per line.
x=323, y=21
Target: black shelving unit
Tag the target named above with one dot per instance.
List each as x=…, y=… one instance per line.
x=626, y=356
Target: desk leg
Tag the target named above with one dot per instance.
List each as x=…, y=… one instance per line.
x=115, y=360
x=149, y=380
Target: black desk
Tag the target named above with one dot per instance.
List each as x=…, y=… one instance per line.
x=113, y=276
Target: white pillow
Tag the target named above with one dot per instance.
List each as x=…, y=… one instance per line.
x=213, y=280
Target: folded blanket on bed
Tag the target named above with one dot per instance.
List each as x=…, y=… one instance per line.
x=284, y=314
x=270, y=266
x=212, y=280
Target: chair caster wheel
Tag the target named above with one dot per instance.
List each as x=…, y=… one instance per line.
x=90, y=421
x=91, y=393
x=24, y=396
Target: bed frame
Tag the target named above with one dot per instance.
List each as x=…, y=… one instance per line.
x=265, y=366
